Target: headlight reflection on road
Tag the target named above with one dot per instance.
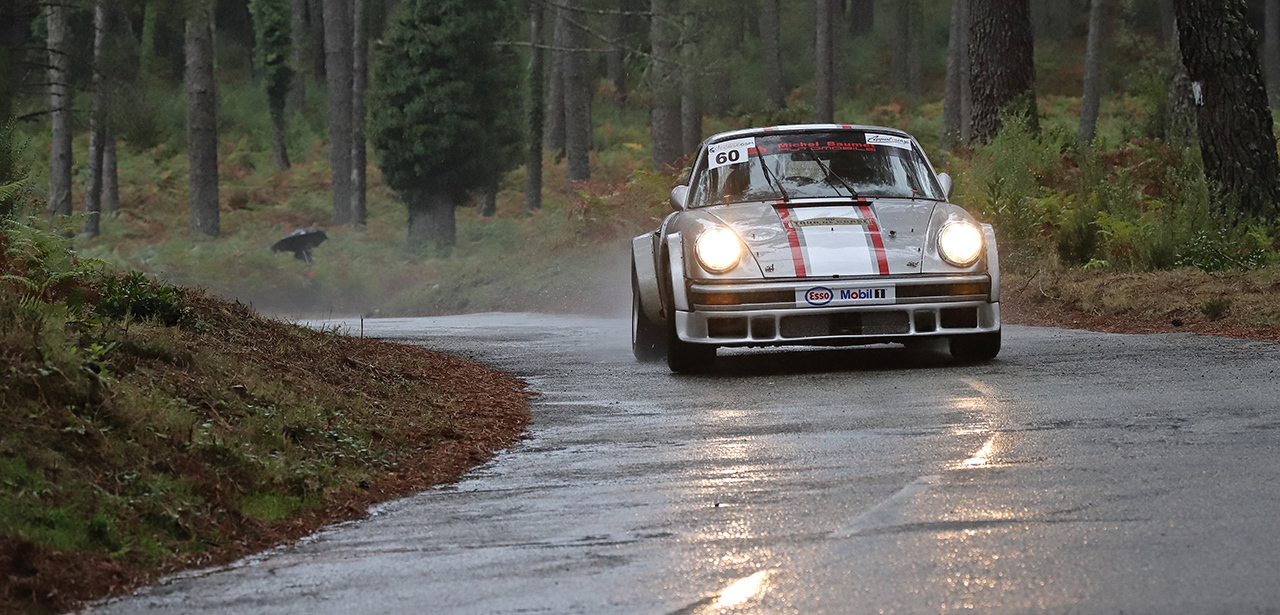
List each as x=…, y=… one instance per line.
x=742, y=590
x=982, y=457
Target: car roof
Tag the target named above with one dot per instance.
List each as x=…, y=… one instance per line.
x=801, y=128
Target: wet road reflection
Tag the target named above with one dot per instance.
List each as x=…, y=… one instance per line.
x=1079, y=472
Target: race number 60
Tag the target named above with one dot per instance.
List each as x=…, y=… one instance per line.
x=730, y=152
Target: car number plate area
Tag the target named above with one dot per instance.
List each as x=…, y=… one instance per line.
x=827, y=296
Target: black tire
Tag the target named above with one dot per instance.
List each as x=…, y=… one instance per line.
x=648, y=340
x=683, y=357
x=688, y=358
x=975, y=347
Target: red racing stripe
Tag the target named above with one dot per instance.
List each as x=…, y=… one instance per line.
x=793, y=237
x=876, y=239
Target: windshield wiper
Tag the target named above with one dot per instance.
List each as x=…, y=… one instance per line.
x=768, y=176
x=827, y=175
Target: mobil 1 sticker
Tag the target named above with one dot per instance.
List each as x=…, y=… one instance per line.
x=730, y=152
x=820, y=296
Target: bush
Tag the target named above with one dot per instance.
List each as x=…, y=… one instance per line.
x=13, y=173
x=1140, y=207
x=135, y=296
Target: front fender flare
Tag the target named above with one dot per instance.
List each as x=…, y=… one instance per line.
x=993, y=261
x=647, y=276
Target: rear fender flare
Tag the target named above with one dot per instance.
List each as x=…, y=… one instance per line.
x=647, y=276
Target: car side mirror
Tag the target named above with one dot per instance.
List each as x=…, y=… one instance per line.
x=679, y=195
x=946, y=182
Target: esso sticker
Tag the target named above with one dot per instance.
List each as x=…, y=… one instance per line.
x=730, y=152
x=819, y=296
x=889, y=141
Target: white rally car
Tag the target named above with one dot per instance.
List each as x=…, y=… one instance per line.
x=813, y=235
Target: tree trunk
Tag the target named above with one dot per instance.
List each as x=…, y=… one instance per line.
x=1273, y=52
x=666, y=131
x=577, y=102
x=60, y=101
x=315, y=10
x=110, y=175
x=957, y=47
x=862, y=17
x=1051, y=19
x=432, y=225
x=1180, y=110
x=488, y=206
x=824, y=103
x=915, y=60
x=900, y=65
x=298, y=54
x=691, y=86
x=359, y=83
x=966, y=72
x=97, y=123
x=771, y=37
x=616, y=58
x=279, y=145
x=841, y=84
x=1237, y=144
x=147, y=47
x=338, y=63
x=560, y=36
x=202, y=120
x=1093, y=73
x=1003, y=65
x=533, y=154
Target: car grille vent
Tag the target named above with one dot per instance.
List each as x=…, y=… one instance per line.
x=857, y=323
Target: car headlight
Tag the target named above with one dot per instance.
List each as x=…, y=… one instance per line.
x=960, y=243
x=718, y=250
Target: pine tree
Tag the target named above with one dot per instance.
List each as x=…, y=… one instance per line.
x=60, y=101
x=337, y=70
x=1237, y=141
x=667, y=130
x=272, y=33
x=445, y=108
x=202, y=120
x=1093, y=73
x=1003, y=70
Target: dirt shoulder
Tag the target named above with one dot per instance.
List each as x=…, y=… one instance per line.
x=1231, y=304
x=194, y=444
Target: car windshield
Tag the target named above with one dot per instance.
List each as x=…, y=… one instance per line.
x=813, y=165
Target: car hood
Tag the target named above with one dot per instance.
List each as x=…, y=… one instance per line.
x=832, y=237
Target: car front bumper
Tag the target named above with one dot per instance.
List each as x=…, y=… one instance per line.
x=755, y=315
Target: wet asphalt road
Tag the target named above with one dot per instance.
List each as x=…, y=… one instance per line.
x=1078, y=473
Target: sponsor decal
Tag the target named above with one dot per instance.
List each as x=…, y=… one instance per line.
x=832, y=222
x=825, y=146
x=819, y=296
x=726, y=153
x=862, y=294
x=888, y=141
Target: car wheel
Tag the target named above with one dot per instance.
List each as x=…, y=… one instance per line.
x=976, y=347
x=686, y=358
x=648, y=340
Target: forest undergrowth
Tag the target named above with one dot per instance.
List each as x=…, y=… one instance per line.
x=1133, y=203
